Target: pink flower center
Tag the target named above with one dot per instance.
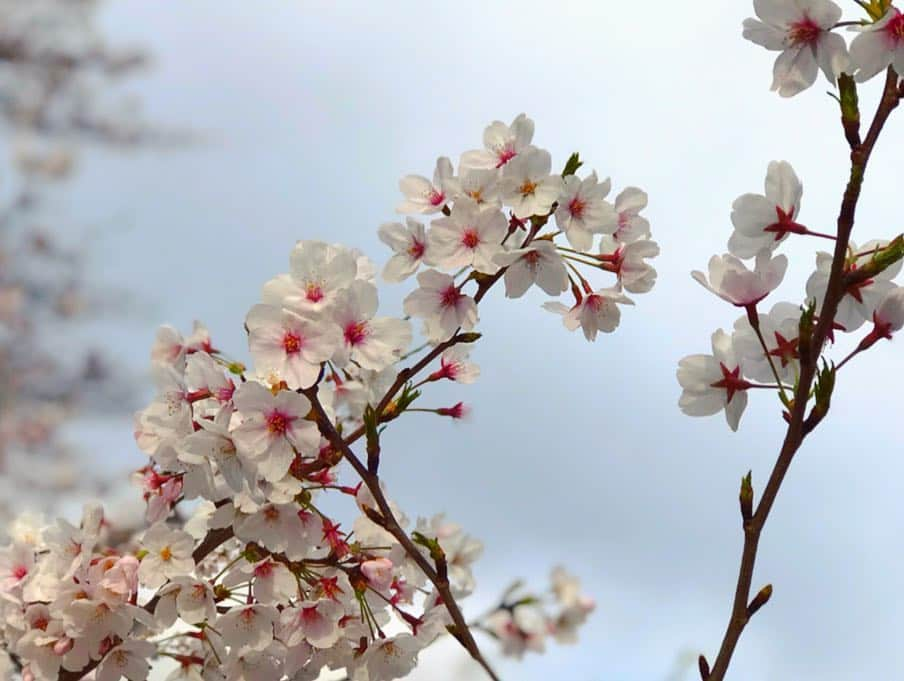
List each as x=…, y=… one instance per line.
x=470, y=239
x=278, y=422
x=291, y=343
x=271, y=514
x=594, y=302
x=576, y=207
x=894, y=29
x=505, y=155
x=436, y=198
x=356, y=333
x=731, y=381
x=804, y=32
x=264, y=570
x=310, y=615
x=20, y=572
x=416, y=250
x=314, y=292
x=224, y=394
x=450, y=297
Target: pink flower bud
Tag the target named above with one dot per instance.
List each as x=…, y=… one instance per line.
x=63, y=646
x=378, y=572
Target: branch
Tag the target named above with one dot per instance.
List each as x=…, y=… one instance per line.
x=742, y=607
x=461, y=631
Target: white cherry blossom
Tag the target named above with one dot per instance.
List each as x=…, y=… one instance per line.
x=527, y=185
x=583, y=210
x=802, y=31
x=711, y=383
x=409, y=242
x=763, y=221
x=424, y=196
x=879, y=45
x=537, y=263
x=501, y=143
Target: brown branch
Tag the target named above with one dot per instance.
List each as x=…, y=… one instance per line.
x=741, y=608
x=389, y=522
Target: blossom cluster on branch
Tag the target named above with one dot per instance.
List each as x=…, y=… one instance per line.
x=262, y=581
x=763, y=350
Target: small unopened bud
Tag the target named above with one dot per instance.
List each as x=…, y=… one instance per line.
x=378, y=573
x=703, y=666
x=456, y=411
x=760, y=600
x=746, y=497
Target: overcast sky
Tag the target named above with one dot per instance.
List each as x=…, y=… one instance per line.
x=576, y=452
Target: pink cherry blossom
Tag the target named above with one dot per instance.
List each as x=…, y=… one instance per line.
x=290, y=345
x=730, y=279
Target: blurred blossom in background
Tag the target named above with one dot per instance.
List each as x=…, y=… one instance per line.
x=574, y=453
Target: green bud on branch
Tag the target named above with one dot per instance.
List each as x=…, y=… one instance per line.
x=746, y=497
x=759, y=600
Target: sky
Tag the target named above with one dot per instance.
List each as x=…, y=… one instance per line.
x=308, y=113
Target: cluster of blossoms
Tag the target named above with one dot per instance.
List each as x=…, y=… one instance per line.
x=474, y=240
x=263, y=581
x=764, y=349
x=802, y=31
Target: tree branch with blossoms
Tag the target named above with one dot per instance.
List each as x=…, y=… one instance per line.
x=261, y=581
x=849, y=288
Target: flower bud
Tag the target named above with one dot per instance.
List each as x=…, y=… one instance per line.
x=378, y=573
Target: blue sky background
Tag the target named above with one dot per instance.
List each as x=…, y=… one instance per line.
x=575, y=452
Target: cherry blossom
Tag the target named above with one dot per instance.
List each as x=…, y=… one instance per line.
x=860, y=299
x=501, y=143
x=763, y=221
x=879, y=45
x=409, y=242
x=801, y=30
x=272, y=428
x=481, y=185
x=631, y=225
x=889, y=316
x=290, y=345
x=423, y=196
x=780, y=329
x=454, y=365
x=470, y=235
x=248, y=628
x=583, y=210
x=169, y=554
x=730, y=279
x=318, y=272
x=596, y=311
x=538, y=263
x=527, y=185
x=711, y=383
x=628, y=261
x=371, y=342
x=128, y=659
x=441, y=304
